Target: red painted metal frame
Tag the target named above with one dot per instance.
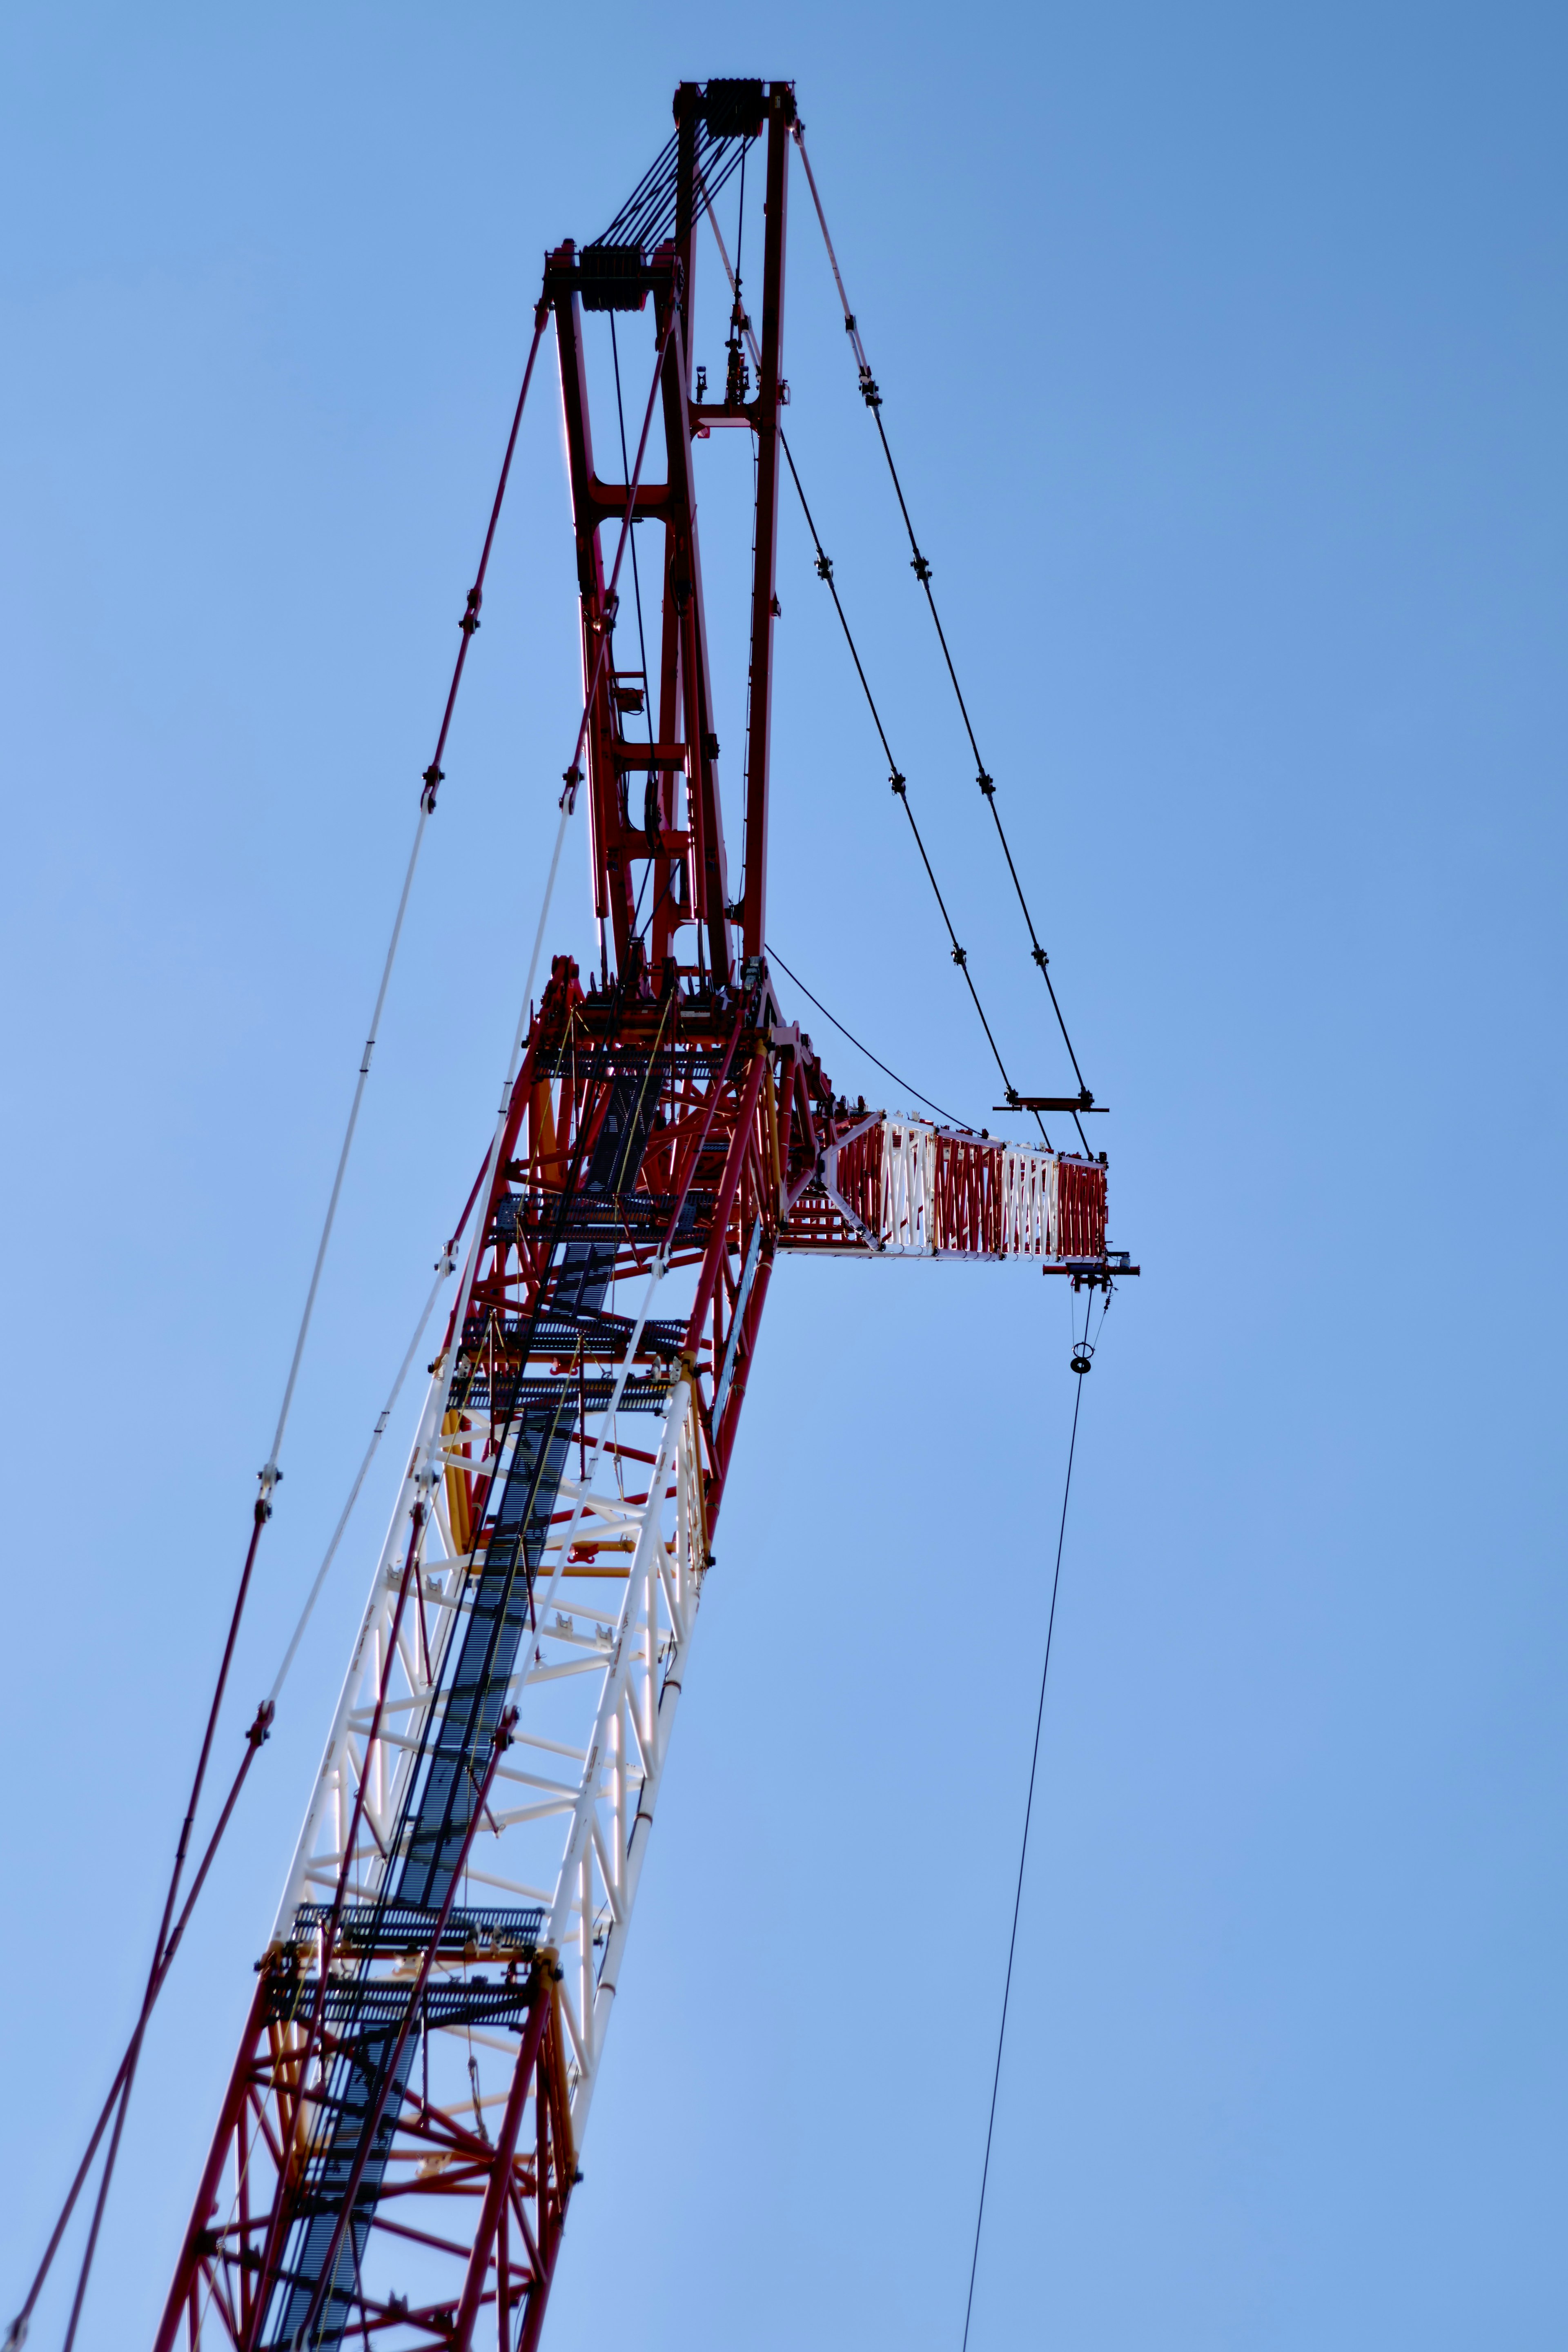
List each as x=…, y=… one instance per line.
x=679, y=832
x=498, y=2259
x=764, y=598
x=738, y=1111
x=1081, y=1209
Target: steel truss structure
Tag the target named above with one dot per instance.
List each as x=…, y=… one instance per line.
x=399, y=2141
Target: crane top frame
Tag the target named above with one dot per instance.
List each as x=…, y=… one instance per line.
x=678, y=841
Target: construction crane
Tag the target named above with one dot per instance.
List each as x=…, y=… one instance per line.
x=400, y=2136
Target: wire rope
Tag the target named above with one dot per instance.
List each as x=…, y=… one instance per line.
x=871, y=394
x=1023, y=1857
x=270, y=1474
x=896, y=779
x=855, y=1041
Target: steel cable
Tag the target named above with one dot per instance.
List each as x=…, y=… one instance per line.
x=855, y=1041
x=1023, y=1857
x=270, y=1474
x=871, y=395
x=897, y=782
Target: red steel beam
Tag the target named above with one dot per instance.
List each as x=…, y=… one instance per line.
x=765, y=600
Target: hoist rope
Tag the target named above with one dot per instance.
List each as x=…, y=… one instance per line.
x=270, y=1474
x=741, y=223
x=922, y=569
x=1023, y=1857
x=897, y=782
x=855, y=1041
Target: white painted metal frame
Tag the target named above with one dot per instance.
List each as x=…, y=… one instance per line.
x=908, y=1219
x=1029, y=1227
x=596, y=1689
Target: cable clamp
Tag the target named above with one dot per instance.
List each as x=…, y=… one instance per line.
x=570, y=777
x=961, y=958
x=986, y=784
x=869, y=391
x=470, y=620
x=899, y=785
x=919, y=567
x=433, y=777
x=850, y=322
x=1041, y=958
x=825, y=567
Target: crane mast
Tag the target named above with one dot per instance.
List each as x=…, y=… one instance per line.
x=398, y=2143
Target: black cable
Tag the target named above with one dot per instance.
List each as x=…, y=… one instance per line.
x=872, y=397
x=922, y=570
x=855, y=1041
x=899, y=783
x=825, y=571
x=1023, y=1857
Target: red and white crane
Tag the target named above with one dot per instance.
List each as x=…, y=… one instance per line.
x=400, y=2136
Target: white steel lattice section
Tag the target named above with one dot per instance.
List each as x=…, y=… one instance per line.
x=597, y=1686
x=912, y=1190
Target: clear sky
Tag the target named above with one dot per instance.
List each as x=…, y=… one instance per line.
x=1223, y=354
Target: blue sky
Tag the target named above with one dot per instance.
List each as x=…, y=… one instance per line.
x=1223, y=355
